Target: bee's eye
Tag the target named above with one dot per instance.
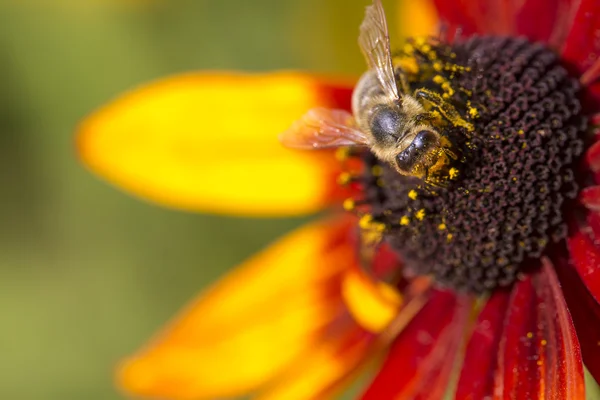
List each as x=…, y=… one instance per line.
x=424, y=139
x=385, y=124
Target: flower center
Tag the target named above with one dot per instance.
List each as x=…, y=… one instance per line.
x=505, y=199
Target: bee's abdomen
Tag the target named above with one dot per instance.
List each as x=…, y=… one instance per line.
x=365, y=95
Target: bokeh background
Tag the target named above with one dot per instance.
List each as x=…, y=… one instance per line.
x=88, y=273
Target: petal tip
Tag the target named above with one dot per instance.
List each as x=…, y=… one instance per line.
x=134, y=376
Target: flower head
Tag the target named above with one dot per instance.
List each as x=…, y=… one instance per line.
x=468, y=254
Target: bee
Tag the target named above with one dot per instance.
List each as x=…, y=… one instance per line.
x=398, y=127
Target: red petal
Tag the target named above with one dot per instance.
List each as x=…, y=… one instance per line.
x=582, y=45
x=539, y=353
x=544, y=20
x=586, y=316
x=539, y=20
x=592, y=157
x=585, y=256
x=583, y=41
x=420, y=362
x=519, y=374
x=481, y=358
x=593, y=221
x=339, y=96
x=385, y=261
x=457, y=15
x=590, y=197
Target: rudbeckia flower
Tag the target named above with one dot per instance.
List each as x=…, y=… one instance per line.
x=462, y=253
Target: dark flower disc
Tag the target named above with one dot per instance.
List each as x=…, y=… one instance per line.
x=515, y=174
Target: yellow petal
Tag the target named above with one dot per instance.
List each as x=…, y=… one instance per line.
x=209, y=142
x=373, y=304
x=251, y=325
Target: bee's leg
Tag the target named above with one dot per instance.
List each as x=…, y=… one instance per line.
x=447, y=148
x=444, y=107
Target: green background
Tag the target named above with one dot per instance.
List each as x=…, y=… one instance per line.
x=87, y=273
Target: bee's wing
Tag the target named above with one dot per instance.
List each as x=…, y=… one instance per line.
x=322, y=128
x=374, y=42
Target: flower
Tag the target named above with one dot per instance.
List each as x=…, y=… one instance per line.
x=488, y=281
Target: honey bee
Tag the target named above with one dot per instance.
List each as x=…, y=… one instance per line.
x=396, y=126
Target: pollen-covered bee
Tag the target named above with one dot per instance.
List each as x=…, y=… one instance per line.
x=398, y=127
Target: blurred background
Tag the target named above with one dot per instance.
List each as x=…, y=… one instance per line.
x=87, y=273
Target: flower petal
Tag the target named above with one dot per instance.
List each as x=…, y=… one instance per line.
x=209, y=142
x=586, y=316
x=417, y=18
x=585, y=257
x=419, y=363
x=538, y=20
x=481, y=357
x=592, y=158
x=590, y=197
x=593, y=222
x=457, y=16
x=539, y=352
x=373, y=304
x=321, y=373
x=253, y=324
x=582, y=47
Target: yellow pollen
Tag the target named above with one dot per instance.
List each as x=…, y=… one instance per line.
x=529, y=335
x=446, y=86
x=412, y=194
x=344, y=178
x=453, y=173
x=521, y=132
x=365, y=221
x=376, y=170
x=449, y=237
x=544, y=342
x=540, y=363
x=342, y=153
x=420, y=214
x=438, y=79
x=442, y=226
x=404, y=221
x=348, y=204
x=473, y=112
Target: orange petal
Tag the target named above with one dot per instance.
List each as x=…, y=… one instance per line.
x=253, y=324
x=325, y=370
x=417, y=18
x=208, y=142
